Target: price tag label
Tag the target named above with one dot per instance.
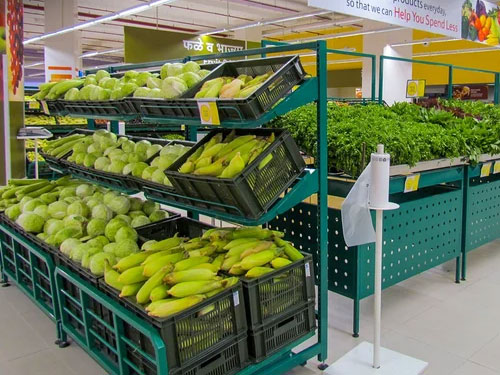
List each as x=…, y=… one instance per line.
x=33, y=105
x=496, y=168
x=307, y=269
x=209, y=114
x=411, y=183
x=485, y=170
x=45, y=107
x=236, y=298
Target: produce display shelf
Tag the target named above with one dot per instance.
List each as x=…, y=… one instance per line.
x=88, y=327
x=481, y=206
x=31, y=268
x=305, y=186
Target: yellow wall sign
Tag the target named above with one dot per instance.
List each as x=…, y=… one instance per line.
x=415, y=88
x=209, y=114
x=485, y=170
x=411, y=183
x=496, y=168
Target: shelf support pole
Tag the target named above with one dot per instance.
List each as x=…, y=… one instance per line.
x=322, y=151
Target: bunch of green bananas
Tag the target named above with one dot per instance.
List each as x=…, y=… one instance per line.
x=40, y=120
x=230, y=87
x=176, y=273
x=227, y=158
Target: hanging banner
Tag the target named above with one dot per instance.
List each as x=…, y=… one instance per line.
x=475, y=20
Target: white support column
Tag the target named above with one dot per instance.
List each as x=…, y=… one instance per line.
x=62, y=51
x=395, y=73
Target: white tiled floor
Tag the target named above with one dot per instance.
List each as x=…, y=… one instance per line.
x=456, y=328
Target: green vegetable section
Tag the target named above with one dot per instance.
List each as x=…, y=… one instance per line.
x=409, y=132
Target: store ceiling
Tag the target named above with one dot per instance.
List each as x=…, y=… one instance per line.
x=182, y=15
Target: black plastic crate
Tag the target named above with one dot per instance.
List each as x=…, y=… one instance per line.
x=228, y=360
x=55, y=107
x=184, y=226
x=287, y=72
x=275, y=335
x=190, y=335
x=250, y=193
x=98, y=108
x=275, y=294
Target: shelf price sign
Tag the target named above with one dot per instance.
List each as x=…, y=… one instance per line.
x=209, y=114
x=415, y=88
x=411, y=183
x=485, y=170
x=496, y=168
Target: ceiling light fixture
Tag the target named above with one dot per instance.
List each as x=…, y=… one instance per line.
x=267, y=22
x=96, y=21
x=90, y=54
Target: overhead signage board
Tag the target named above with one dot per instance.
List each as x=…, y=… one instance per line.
x=475, y=20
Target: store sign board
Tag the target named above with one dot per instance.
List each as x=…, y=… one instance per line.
x=144, y=45
x=475, y=20
x=209, y=113
x=470, y=92
x=415, y=88
x=411, y=183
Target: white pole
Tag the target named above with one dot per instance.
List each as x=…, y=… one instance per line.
x=377, y=303
x=378, y=289
x=36, y=158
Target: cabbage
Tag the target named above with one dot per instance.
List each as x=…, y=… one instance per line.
x=13, y=211
x=65, y=233
x=128, y=146
x=58, y=209
x=109, y=196
x=97, y=262
x=155, y=93
x=191, y=66
x=85, y=92
x=173, y=87
x=141, y=147
x=174, y=70
x=158, y=176
x=78, y=208
x=142, y=78
x=84, y=190
x=136, y=157
x=95, y=227
x=68, y=244
x=135, y=204
x=134, y=214
x=153, y=150
x=116, y=94
x=52, y=226
x=102, y=163
x=89, y=160
x=78, y=252
x=153, y=83
x=101, y=211
x=119, y=205
x=203, y=73
x=99, y=241
x=128, y=168
x=42, y=211
x=109, y=248
x=131, y=74
x=142, y=92
x=112, y=227
x=69, y=191
x=90, y=81
x=32, y=204
x=116, y=166
x=110, y=83
x=138, y=169
x=147, y=173
x=75, y=221
x=149, y=207
x=95, y=93
x=190, y=78
x=23, y=201
x=158, y=215
x=125, y=247
x=147, y=245
x=88, y=254
x=128, y=89
x=92, y=202
x=100, y=74
x=139, y=221
x=31, y=222
x=126, y=233
x=72, y=94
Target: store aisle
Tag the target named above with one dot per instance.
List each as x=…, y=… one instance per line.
x=453, y=327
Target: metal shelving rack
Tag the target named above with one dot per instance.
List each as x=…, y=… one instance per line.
x=311, y=182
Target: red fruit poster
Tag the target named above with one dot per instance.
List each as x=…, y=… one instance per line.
x=14, y=40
